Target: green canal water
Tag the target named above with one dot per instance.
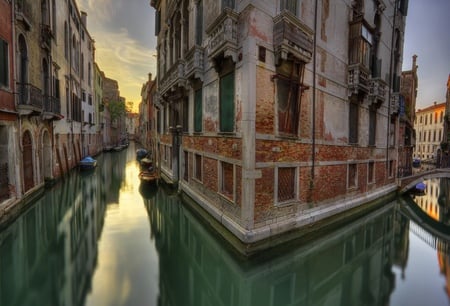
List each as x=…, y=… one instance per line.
x=100, y=238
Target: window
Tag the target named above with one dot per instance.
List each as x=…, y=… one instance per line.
x=227, y=180
x=4, y=71
x=186, y=166
x=198, y=111
x=227, y=102
x=371, y=172
x=352, y=176
x=289, y=5
x=198, y=167
x=157, y=22
x=199, y=24
x=286, y=179
x=360, y=44
x=391, y=168
x=288, y=95
x=372, y=125
x=353, y=122
x=185, y=115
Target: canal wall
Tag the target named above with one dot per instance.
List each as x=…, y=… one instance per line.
x=298, y=229
x=14, y=208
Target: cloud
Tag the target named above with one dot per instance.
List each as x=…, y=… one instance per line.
x=123, y=51
x=126, y=60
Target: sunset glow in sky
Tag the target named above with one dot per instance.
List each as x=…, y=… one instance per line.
x=126, y=45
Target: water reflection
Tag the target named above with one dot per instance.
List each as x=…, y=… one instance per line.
x=436, y=200
x=102, y=238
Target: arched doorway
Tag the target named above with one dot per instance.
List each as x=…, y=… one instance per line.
x=27, y=161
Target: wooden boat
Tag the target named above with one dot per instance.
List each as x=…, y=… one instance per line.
x=148, y=172
x=87, y=163
x=148, y=176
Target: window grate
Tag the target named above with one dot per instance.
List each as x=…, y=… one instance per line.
x=286, y=184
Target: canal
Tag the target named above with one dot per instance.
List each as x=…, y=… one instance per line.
x=99, y=238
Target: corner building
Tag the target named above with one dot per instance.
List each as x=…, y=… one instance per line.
x=274, y=115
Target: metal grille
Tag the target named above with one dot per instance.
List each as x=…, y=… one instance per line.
x=227, y=179
x=286, y=184
x=4, y=190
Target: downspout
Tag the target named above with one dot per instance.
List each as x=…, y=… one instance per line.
x=313, y=136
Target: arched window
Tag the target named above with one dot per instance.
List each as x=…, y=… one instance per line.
x=22, y=70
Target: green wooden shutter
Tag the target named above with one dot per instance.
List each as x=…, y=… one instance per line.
x=227, y=103
x=198, y=111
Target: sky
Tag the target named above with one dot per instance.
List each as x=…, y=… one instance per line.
x=125, y=43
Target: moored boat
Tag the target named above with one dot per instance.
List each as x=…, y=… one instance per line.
x=141, y=153
x=87, y=163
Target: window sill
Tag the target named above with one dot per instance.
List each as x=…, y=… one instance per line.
x=227, y=134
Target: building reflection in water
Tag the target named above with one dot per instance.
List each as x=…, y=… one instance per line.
x=435, y=203
x=352, y=266
x=50, y=254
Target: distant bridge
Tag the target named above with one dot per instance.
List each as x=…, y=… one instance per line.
x=408, y=182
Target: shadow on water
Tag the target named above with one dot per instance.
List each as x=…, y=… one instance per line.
x=50, y=254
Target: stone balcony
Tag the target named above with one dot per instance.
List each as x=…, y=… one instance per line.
x=194, y=63
x=358, y=79
x=377, y=90
x=223, y=36
x=395, y=103
x=291, y=36
x=23, y=13
x=46, y=37
x=174, y=77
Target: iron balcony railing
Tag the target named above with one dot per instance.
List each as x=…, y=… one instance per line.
x=52, y=105
x=29, y=95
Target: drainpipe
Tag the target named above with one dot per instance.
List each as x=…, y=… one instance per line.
x=313, y=136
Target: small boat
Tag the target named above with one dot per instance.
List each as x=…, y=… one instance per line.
x=148, y=172
x=141, y=153
x=421, y=186
x=148, y=176
x=416, y=163
x=87, y=163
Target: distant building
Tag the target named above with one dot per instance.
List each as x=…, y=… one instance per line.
x=407, y=112
x=429, y=127
x=274, y=115
x=445, y=161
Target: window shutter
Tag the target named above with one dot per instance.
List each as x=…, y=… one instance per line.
x=198, y=111
x=3, y=63
x=227, y=103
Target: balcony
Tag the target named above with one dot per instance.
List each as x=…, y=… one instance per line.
x=358, y=79
x=194, y=63
x=29, y=99
x=291, y=36
x=173, y=78
x=23, y=13
x=395, y=103
x=377, y=90
x=223, y=36
x=46, y=37
x=52, y=108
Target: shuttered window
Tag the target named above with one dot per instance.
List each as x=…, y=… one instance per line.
x=353, y=123
x=198, y=111
x=227, y=103
x=4, y=71
x=372, y=125
x=289, y=5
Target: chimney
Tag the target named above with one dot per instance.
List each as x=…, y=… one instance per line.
x=414, y=66
x=150, y=76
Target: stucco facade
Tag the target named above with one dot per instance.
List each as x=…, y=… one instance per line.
x=274, y=115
